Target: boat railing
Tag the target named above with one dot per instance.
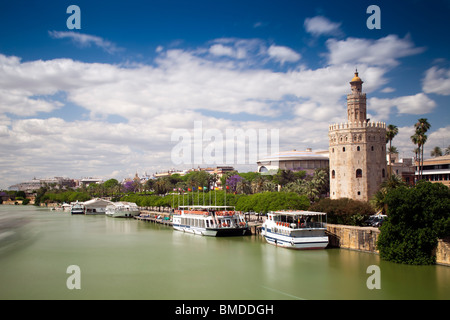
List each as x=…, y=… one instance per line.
x=302, y=225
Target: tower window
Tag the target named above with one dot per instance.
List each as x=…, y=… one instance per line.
x=383, y=174
x=333, y=174
x=343, y=149
x=358, y=148
x=371, y=148
x=359, y=173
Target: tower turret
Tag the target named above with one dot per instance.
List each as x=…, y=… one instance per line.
x=356, y=101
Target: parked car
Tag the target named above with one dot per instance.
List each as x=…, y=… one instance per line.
x=375, y=220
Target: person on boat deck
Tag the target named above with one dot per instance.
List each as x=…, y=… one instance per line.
x=302, y=222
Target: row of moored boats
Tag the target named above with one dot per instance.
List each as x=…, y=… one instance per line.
x=295, y=229
x=101, y=206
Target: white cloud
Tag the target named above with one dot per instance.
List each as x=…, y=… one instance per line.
x=388, y=90
x=86, y=40
x=437, y=81
x=320, y=25
x=222, y=83
x=283, y=54
x=221, y=50
x=439, y=137
x=415, y=104
x=382, y=52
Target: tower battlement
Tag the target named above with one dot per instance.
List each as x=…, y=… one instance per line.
x=356, y=124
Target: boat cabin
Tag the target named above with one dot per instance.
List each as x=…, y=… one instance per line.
x=299, y=219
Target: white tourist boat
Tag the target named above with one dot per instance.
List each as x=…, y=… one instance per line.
x=214, y=221
x=122, y=210
x=77, y=208
x=96, y=206
x=296, y=229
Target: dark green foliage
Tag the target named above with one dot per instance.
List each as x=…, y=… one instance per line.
x=417, y=217
x=271, y=201
x=344, y=211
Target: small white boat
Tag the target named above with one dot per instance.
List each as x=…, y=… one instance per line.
x=296, y=229
x=213, y=221
x=77, y=208
x=122, y=210
x=66, y=207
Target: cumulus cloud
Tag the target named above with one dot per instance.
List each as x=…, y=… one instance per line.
x=419, y=103
x=437, y=81
x=381, y=52
x=320, y=25
x=283, y=54
x=222, y=83
x=86, y=40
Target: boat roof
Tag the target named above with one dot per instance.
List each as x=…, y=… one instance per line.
x=298, y=213
x=205, y=207
x=122, y=203
x=97, y=203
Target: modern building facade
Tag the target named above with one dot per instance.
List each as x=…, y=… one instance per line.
x=436, y=170
x=294, y=160
x=357, y=150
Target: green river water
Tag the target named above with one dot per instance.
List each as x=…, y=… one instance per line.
x=130, y=259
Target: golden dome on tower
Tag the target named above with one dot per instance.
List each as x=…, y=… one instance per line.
x=356, y=78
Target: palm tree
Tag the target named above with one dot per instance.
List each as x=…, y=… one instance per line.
x=391, y=132
x=422, y=126
x=415, y=140
x=436, y=152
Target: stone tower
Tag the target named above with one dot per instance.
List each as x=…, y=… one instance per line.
x=357, y=150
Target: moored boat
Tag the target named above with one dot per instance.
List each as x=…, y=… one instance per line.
x=214, y=221
x=96, y=206
x=77, y=208
x=122, y=210
x=296, y=229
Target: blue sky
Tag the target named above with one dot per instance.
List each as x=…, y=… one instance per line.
x=105, y=100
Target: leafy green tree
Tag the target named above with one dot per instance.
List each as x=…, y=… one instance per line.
x=378, y=199
x=436, y=152
x=417, y=217
x=344, y=211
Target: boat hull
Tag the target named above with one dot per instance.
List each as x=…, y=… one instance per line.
x=298, y=243
x=211, y=232
x=122, y=214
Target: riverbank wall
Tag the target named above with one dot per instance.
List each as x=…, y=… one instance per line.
x=365, y=239
x=353, y=238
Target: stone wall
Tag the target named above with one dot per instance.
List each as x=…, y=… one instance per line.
x=354, y=238
x=365, y=239
x=443, y=252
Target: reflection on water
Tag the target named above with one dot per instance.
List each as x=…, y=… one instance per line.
x=129, y=259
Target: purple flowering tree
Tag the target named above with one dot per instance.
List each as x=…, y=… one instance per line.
x=233, y=181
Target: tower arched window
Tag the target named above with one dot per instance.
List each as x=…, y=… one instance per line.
x=383, y=173
x=333, y=174
x=359, y=173
x=358, y=148
x=343, y=149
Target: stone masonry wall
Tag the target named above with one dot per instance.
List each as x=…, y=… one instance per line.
x=351, y=237
x=365, y=239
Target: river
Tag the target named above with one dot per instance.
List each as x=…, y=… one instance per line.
x=130, y=259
